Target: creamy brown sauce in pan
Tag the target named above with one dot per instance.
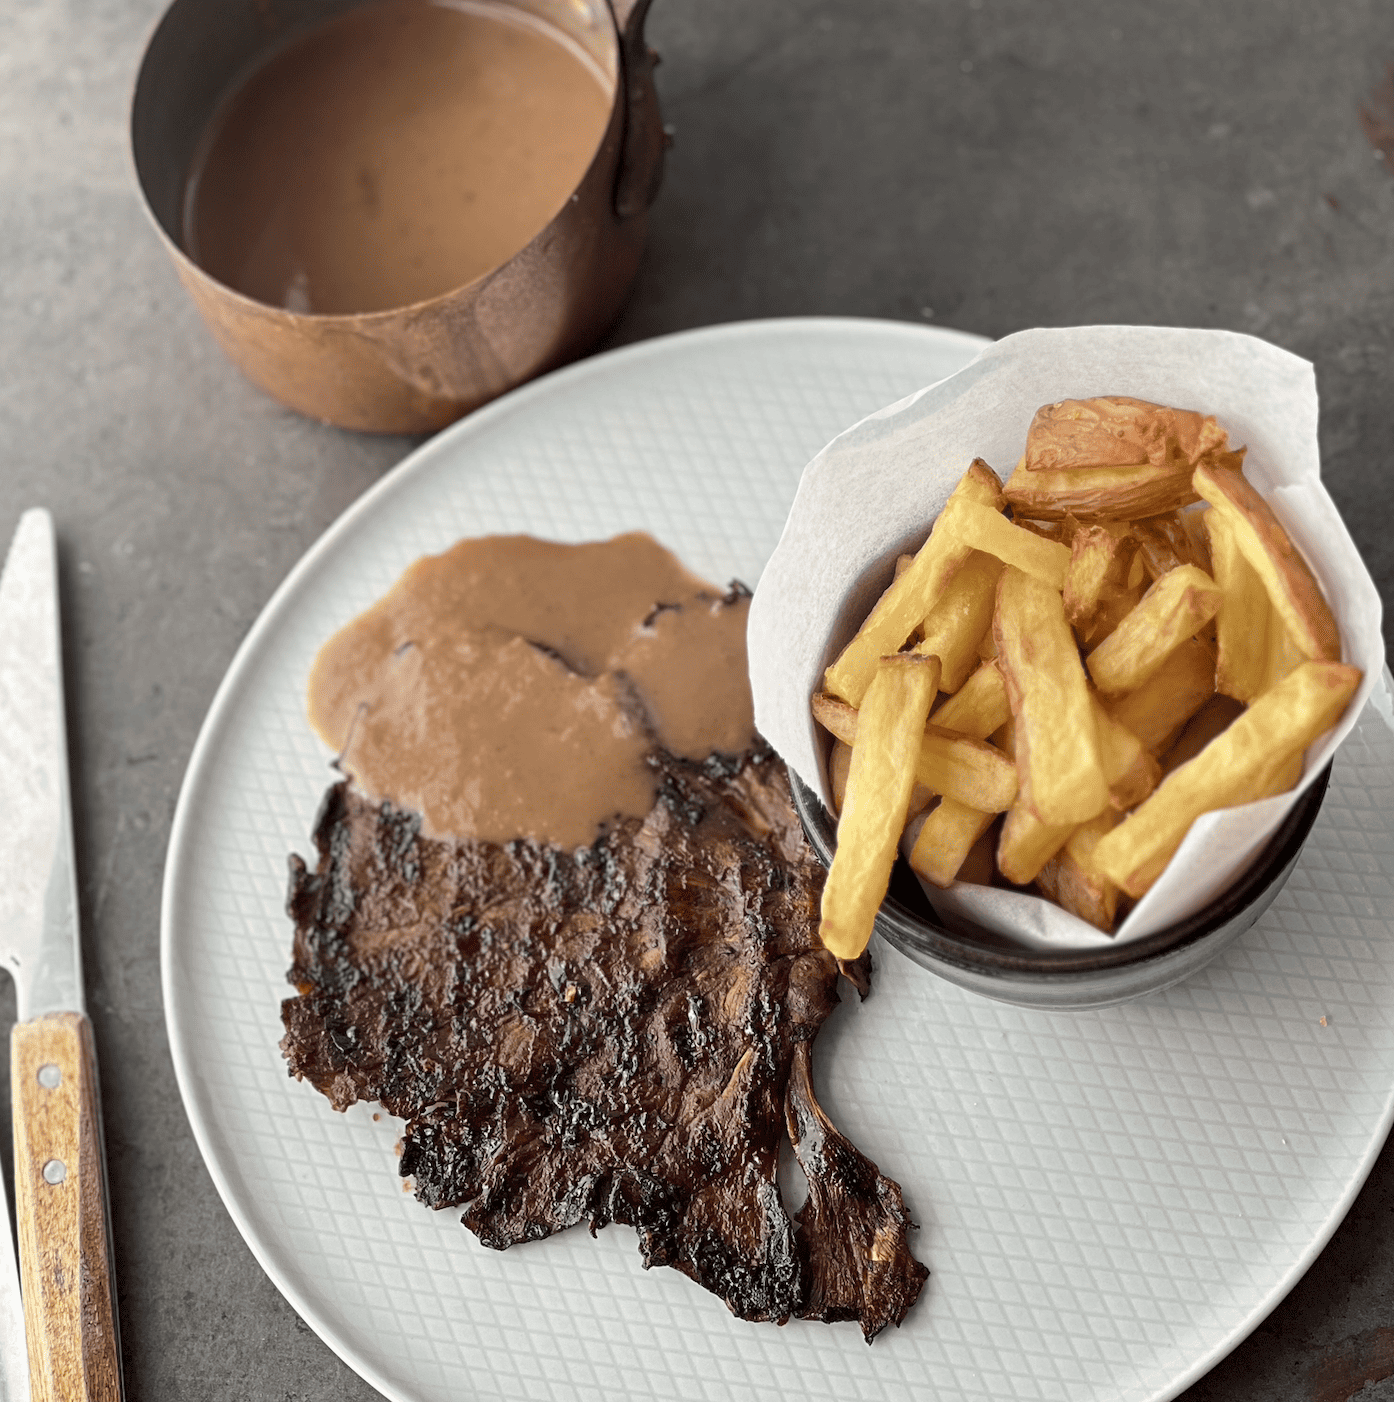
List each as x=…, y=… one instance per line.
x=512, y=687
x=392, y=154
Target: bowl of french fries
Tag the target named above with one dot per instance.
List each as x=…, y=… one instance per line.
x=1061, y=729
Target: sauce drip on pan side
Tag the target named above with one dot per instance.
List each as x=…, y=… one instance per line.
x=393, y=154
x=513, y=687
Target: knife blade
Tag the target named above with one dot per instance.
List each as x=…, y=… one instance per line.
x=60, y=1173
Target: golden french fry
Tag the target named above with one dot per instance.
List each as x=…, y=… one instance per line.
x=1292, y=588
x=835, y=716
x=1026, y=844
x=979, y=707
x=1098, y=556
x=1057, y=743
x=904, y=606
x=1284, y=655
x=969, y=770
x=1242, y=763
x=1284, y=777
x=839, y=763
x=1175, y=608
x=1105, y=551
x=1072, y=880
x=956, y=624
x=990, y=531
x=1131, y=770
x=1114, y=606
x=1158, y=709
x=1116, y=431
x=945, y=840
x=1100, y=493
x=1245, y=617
x=890, y=728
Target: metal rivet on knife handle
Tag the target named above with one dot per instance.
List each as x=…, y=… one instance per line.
x=61, y=1213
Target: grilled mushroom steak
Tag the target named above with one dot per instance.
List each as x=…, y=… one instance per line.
x=618, y=1033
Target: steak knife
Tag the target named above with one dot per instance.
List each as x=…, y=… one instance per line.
x=60, y=1173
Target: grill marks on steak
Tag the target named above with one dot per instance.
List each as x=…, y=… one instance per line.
x=614, y=1034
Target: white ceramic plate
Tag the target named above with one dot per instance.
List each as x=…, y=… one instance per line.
x=1108, y=1201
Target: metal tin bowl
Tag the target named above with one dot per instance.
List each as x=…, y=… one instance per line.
x=1071, y=978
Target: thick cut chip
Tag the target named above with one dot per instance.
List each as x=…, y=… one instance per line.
x=1284, y=655
x=1114, y=606
x=1130, y=768
x=835, y=716
x=948, y=763
x=1241, y=764
x=956, y=624
x=905, y=605
x=1073, y=881
x=1057, y=742
x=945, y=839
x=971, y=771
x=1115, y=432
x=1026, y=844
x=979, y=707
x=1100, y=493
x=1292, y=588
x=1099, y=556
x=1242, y=625
x=1160, y=707
x=890, y=729
x=1284, y=777
x=990, y=531
x=1254, y=648
x=1175, y=608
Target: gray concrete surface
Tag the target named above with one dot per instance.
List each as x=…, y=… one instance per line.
x=990, y=164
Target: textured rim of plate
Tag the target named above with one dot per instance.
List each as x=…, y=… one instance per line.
x=183, y=829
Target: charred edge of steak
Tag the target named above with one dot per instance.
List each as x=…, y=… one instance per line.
x=854, y=1229
x=590, y=1036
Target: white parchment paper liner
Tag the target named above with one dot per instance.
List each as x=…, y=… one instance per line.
x=873, y=492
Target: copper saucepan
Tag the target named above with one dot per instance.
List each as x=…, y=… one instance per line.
x=411, y=369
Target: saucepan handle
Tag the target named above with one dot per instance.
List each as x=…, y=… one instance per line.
x=61, y=1212
x=641, y=156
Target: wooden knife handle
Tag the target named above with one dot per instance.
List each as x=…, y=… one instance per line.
x=61, y=1213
